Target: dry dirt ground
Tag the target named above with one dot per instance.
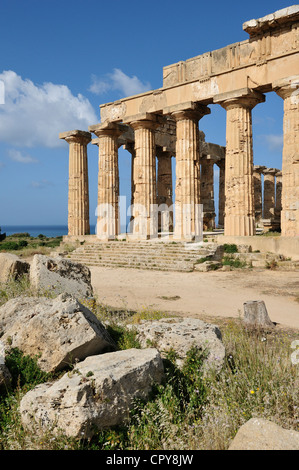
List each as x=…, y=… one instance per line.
x=200, y=295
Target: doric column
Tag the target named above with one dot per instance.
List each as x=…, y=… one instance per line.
x=278, y=193
x=258, y=192
x=164, y=190
x=145, y=223
x=130, y=147
x=108, y=223
x=207, y=192
x=78, y=195
x=187, y=193
x=288, y=89
x=239, y=190
x=269, y=193
x=221, y=200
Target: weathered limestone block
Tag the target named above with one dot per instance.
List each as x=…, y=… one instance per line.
x=181, y=334
x=97, y=394
x=261, y=434
x=11, y=266
x=60, y=275
x=256, y=314
x=58, y=330
x=207, y=266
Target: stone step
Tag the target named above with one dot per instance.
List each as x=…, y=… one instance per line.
x=183, y=268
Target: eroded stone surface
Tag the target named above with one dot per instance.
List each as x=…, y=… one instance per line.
x=99, y=393
x=59, y=331
x=261, y=434
x=181, y=334
x=11, y=267
x=60, y=275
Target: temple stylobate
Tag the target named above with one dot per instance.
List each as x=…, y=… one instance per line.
x=164, y=123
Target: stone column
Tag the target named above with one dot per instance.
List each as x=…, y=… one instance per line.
x=258, y=193
x=145, y=223
x=187, y=197
x=78, y=194
x=239, y=190
x=269, y=193
x=288, y=89
x=277, y=211
x=207, y=192
x=108, y=223
x=130, y=147
x=221, y=200
x=164, y=190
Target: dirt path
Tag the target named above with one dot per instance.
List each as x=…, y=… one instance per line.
x=201, y=295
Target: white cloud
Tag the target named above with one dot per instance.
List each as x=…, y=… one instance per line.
x=41, y=184
x=33, y=115
x=274, y=141
x=119, y=81
x=17, y=156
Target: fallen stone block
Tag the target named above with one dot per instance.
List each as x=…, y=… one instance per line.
x=97, y=394
x=60, y=275
x=181, y=334
x=12, y=267
x=261, y=434
x=207, y=266
x=58, y=331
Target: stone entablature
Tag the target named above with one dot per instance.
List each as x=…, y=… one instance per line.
x=269, y=55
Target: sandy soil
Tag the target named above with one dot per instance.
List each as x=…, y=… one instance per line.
x=200, y=295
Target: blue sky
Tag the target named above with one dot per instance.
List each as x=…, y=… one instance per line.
x=61, y=59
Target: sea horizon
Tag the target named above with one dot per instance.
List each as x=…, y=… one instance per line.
x=50, y=231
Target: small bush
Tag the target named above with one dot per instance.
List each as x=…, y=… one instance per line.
x=22, y=243
x=9, y=246
x=230, y=248
x=235, y=263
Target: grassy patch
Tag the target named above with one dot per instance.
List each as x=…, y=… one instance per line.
x=230, y=248
x=234, y=262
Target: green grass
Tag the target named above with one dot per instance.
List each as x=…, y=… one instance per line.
x=234, y=262
x=25, y=245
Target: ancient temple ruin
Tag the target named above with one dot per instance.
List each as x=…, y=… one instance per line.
x=164, y=123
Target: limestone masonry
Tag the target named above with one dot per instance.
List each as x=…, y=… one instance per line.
x=164, y=123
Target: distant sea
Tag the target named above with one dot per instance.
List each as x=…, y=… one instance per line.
x=35, y=230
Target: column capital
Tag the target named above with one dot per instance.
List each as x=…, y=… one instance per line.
x=287, y=86
x=108, y=128
x=145, y=121
x=245, y=97
x=189, y=110
x=259, y=169
x=81, y=137
x=270, y=171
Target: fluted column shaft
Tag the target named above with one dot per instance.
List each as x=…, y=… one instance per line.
x=78, y=192
x=258, y=193
x=239, y=189
x=278, y=191
x=288, y=89
x=207, y=192
x=221, y=200
x=269, y=193
x=187, y=190
x=144, y=176
x=108, y=223
x=164, y=191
